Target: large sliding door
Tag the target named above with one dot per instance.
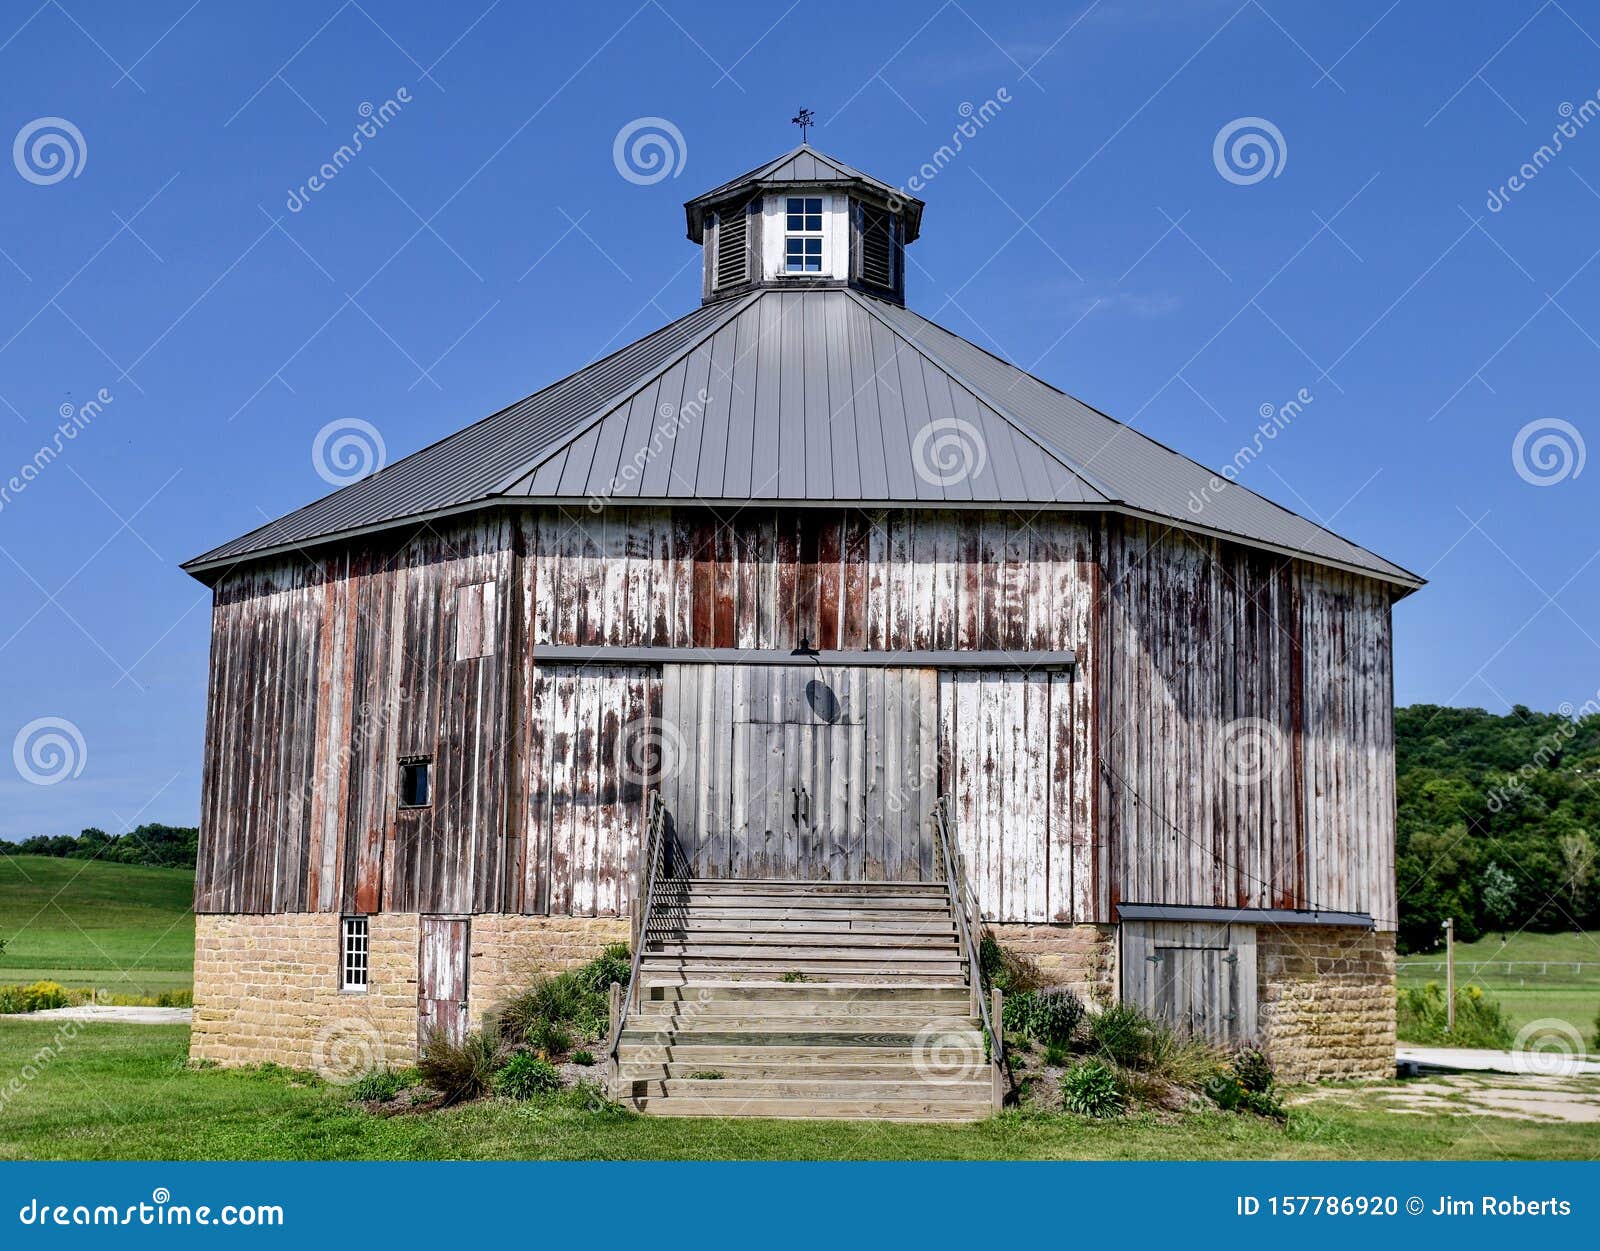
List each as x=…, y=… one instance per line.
x=799, y=771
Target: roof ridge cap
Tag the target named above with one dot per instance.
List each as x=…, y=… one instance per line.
x=1000, y=409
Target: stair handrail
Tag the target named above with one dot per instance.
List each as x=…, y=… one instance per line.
x=649, y=872
x=961, y=902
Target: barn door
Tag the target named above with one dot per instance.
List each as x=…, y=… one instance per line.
x=796, y=771
x=442, y=979
x=1198, y=977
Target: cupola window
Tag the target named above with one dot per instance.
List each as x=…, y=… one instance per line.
x=802, y=237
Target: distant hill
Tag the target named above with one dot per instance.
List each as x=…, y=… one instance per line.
x=118, y=927
x=164, y=846
x=1497, y=822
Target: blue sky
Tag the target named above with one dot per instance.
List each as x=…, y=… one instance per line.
x=484, y=243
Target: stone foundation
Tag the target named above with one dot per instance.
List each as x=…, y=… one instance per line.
x=266, y=988
x=1326, y=1008
x=1080, y=958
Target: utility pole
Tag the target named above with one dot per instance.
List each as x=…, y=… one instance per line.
x=1450, y=975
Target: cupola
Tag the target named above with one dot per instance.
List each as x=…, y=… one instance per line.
x=804, y=219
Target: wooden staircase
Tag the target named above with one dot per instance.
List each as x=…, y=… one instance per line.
x=804, y=1000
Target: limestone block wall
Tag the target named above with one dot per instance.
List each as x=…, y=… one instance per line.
x=1080, y=958
x=1326, y=1008
x=266, y=987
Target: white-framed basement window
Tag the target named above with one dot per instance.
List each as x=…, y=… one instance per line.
x=355, y=950
x=802, y=235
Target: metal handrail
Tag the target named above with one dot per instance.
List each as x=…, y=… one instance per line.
x=956, y=880
x=655, y=825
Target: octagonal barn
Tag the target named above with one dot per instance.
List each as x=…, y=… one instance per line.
x=799, y=644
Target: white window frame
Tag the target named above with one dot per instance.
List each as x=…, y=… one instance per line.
x=820, y=234
x=355, y=954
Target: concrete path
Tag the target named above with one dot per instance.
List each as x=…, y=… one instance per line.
x=109, y=1012
x=1474, y=1060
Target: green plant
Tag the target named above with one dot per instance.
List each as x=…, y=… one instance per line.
x=794, y=975
x=1597, y=1031
x=378, y=1086
x=1124, y=1035
x=1253, y=1069
x=1005, y=969
x=1092, y=1088
x=460, y=1070
x=34, y=997
x=707, y=1075
x=1057, y=1056
x=526, y=1075
x=1051, y=1016
x=614, y=964
x=578, y=998
x=585, y=1058
x=1422, y=1015
x=547, y=1038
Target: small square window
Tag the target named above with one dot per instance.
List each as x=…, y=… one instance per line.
x=354, y=949
x=803, y=256
x=804, y=213
x=416, y=782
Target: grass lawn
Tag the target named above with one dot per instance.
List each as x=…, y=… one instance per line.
x=1527, y=993
x=124, y=1092
x=86, y=923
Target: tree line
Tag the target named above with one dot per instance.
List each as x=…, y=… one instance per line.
x=156, y=846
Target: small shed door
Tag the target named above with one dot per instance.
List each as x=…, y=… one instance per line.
x=1198, y=977
x=442, y=979
x=797, y=771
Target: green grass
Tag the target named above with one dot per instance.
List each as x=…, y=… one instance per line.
x=124, y=1092
x=86, y=923
x=1527, y=994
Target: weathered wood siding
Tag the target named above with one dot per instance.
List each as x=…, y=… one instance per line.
x=1248, y=726
x=1129, y=779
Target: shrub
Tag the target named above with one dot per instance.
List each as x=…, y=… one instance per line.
x=175, y=999
x=1092, y=1088
x=461, y=1070
x=1047, y=1016
x=525, y=1076
x=1253, y=1069
x=34, y=997
x=1125, y=1035
x=378, y=1086
x=1004, y=968
x=614, y=964
x=585, y=1058
x=548, y=1039
x=1057, y=1056
x=1421, y=1015
x=578, y=998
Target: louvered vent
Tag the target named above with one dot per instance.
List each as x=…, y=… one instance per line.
x=733, y=245
x=877, y=247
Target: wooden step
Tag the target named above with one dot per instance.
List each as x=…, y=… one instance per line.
x=784, y=940
x=674, y=970
x=903, y=1069
x=655, y=1010
x=695, y=1053
x=805, y=912
x=685, y=1019
x=763, y=1034
x=945, y=997
x=856, y=1089
x=756, y=975
x=816, y=1109
x=842, y=926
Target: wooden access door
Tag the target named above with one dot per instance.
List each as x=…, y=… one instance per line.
x=442, y=979
x=802, y=772
x=1198, y=977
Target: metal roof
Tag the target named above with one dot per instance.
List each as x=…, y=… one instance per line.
x=805, y=397
x=800, y=165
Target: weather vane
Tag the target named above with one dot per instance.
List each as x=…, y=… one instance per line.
x=805, y=119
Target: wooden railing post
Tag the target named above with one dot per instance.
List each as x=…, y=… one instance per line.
x=998, y=1077
x=613, y=1016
